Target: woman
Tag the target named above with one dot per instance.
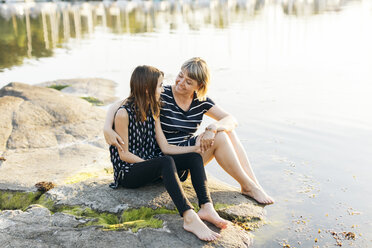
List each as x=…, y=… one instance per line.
x=142, y=158
x=184, y=105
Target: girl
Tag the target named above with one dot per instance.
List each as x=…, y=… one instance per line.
x=142, y=160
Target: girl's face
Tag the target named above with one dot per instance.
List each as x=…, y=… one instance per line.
x=185, y=85
x=159, y=88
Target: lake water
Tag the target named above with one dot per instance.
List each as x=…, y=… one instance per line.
x=296, y=74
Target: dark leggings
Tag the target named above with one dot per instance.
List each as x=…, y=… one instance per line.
x=168, y=168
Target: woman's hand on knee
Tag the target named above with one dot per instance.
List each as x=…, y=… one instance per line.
x=206, y=140
x=112, y=138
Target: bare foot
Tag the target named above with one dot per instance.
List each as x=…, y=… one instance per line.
x=208, y=213
x=259, y=195
x=193, y=224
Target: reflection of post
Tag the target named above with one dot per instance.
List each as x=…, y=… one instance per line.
x=89, y=13
x=45, y=29
x=77, y=23
x=28, y=31
x=53, y=27
x=66, y=23
x=14, y=20
x=148, y=22
x=212, y=11
x=118, y=22
x=126, y=15
x=115, y=12
x=100, y=11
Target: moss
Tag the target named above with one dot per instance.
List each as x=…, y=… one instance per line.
x=136, y=219
x=99, y=219
x=18, y=200
x=93, y=100
x=58, y=86
x=133, y=219
x=196, y=206
x=219, y=206
x=48, y=203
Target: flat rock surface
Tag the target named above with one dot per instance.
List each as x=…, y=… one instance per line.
x=48, y=136
x=96, y=194
x=102, y=89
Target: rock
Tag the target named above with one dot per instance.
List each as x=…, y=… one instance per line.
x=96, y=194
x=37, y=227
x=102, y=89
x=48, y=136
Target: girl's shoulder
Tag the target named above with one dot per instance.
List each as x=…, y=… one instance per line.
x=127, y=105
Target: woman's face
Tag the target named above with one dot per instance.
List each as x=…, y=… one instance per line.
x=185, y=85
x=159, y=88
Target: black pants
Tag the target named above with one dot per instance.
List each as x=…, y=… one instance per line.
x=168, y=168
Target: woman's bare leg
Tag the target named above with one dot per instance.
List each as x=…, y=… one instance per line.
x=242, y=156
x=227, y=158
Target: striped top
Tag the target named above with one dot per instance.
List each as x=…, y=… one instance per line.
x=178, y=125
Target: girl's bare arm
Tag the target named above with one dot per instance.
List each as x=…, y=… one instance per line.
x=121, y=127
x=167, y=148
x=111, y=137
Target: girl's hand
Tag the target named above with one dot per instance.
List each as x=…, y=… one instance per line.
x=206, y=140
x=112, y=138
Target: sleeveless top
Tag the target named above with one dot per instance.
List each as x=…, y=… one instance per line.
x=141, y=142
x=179, y=126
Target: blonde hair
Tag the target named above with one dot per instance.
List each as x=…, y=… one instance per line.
x=198, y=70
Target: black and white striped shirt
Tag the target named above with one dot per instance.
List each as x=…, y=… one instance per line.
x=179, y=126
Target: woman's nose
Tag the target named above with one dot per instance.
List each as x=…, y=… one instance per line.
x=182, y=80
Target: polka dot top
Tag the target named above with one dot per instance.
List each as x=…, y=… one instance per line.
x=141, y=142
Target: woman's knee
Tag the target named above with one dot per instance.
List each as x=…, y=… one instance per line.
x=221, y=138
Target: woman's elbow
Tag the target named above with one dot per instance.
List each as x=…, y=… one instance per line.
x=165, y=150
x=234, y=121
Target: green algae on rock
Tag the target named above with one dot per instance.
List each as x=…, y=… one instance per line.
x=93, y=100
x=13, y=200
x=58, y=86
x=10, y=200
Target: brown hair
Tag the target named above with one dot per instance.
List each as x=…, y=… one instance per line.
x=143, y=83
x=198, y=70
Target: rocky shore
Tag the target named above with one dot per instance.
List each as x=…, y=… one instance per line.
x=56, y=136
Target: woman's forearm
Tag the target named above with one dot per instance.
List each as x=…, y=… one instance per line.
x=227, y=123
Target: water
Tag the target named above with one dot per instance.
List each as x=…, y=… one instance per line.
x=296, y=74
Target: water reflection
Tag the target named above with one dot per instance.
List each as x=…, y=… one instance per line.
x=34, y=29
